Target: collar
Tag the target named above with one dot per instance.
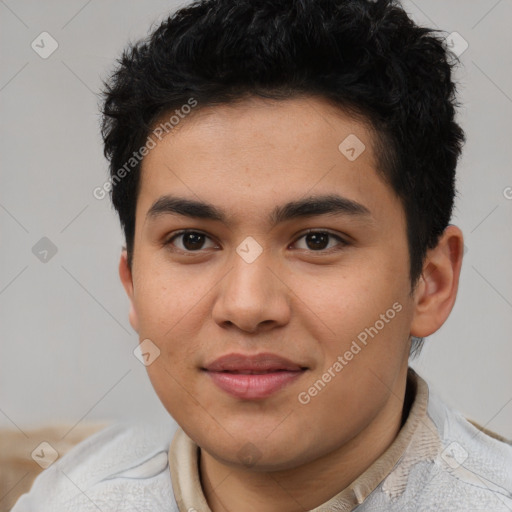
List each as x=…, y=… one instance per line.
x=416, y=439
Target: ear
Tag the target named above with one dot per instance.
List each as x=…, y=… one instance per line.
x=437, y=287
x=125, y=274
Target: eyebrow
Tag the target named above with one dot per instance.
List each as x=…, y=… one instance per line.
x=331, y=204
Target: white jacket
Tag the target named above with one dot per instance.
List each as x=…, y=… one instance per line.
x=439, y=462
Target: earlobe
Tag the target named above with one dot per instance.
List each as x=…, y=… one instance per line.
x=125, y=274
x=437, y=289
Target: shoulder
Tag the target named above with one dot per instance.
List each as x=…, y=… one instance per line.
x=472, y=465
x=491, y=454
x=124, y=464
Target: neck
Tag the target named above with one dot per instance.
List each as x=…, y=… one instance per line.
x=229, y=489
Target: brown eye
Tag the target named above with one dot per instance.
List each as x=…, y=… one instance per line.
x=319, y=241
x=191, y=241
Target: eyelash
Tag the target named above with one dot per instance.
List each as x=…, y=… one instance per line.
x=343, y=243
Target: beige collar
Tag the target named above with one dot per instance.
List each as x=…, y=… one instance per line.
x=183, y=461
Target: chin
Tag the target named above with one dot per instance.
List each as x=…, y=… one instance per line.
x=259, y=459
x=259, y=451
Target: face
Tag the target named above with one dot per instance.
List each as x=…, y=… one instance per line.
x=282, y=308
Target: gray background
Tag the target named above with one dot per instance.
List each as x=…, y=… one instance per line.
x=66, y=350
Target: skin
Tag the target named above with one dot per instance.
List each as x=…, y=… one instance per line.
x=295, y=300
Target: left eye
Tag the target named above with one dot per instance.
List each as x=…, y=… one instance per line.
x=318, y=240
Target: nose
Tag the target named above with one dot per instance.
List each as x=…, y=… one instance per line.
x=252, y=296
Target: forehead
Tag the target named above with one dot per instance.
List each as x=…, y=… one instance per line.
x=254, y=154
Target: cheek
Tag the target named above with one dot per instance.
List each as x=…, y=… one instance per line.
x=167, y=315
x=176, y=393
x=348, y=299
x=162, y=300
x=367, y=315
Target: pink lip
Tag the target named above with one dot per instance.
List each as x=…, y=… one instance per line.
x=253, y=377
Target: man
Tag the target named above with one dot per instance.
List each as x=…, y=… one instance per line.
x=284, y=173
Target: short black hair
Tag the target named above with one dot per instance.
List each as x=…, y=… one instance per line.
x=366, y=57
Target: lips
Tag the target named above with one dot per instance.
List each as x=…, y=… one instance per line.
x=253, y=377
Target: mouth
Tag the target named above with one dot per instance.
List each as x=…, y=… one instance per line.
x=253, y=377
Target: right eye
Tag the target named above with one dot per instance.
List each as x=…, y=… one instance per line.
x=191, y=241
